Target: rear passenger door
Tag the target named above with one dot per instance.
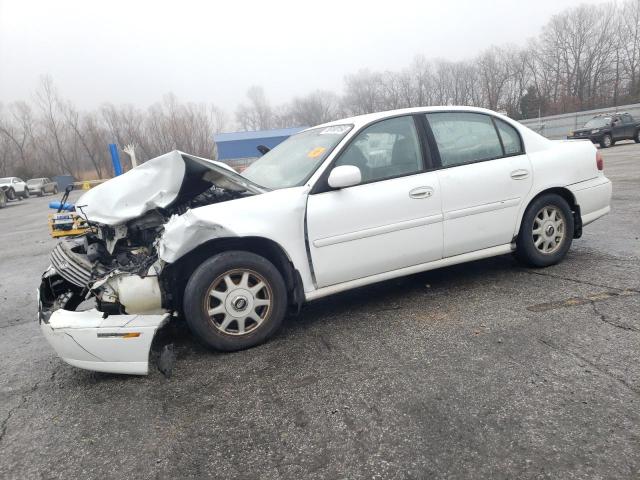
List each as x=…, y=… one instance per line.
x=484, y=175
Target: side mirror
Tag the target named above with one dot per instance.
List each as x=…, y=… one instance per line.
x=344, y=176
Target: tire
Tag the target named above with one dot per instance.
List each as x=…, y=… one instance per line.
x=636, y=137
x=3, y=199
x=539, y=243
x=25, y=193
x=41, y=192
x=55, y=190
x=11, y=194
x=235, y=322
x=606, y=141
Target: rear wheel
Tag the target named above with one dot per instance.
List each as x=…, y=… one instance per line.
x=25, y=193
x=546, y=231
x=11, y=194
x=41, y=192
x=3, y=199
x=235, y=300
x=606, y=141
x=636, y=137
x=55, y=189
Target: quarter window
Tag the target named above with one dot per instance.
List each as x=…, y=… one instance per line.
x=386, y=149
x=510, y=138
x=464, y=137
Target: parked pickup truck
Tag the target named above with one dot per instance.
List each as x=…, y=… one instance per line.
x=607, y=129
x=334, y=207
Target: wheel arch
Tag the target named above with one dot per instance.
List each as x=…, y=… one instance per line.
x=179, y=272
x=565, y=193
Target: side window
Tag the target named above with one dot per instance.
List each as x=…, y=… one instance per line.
x=464, y=137
x=510, y=138
x=386, y=149
x=626, y=118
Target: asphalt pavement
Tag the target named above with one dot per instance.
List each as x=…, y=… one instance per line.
x=482, y=370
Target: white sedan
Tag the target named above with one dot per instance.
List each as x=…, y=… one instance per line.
x=335, y=207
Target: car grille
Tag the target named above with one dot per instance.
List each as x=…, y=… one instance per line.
x=73, y=267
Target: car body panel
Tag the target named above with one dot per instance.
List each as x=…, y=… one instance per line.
x=355, y=232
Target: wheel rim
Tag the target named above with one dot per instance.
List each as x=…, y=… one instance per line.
x=607, y=141
x=548, y=229
x=238, y=301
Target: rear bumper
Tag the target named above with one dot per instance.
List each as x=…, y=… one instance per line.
x=593, y=197
x=115, y=344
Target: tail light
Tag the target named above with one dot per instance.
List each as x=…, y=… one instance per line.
x=599, y=161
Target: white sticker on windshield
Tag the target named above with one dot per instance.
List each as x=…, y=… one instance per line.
x=335, y=130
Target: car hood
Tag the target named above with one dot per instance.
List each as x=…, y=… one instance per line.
x=158, y=183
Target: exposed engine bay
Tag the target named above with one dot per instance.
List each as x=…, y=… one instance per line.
x=118, y=265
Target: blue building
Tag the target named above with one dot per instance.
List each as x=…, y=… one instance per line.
x=239, y=149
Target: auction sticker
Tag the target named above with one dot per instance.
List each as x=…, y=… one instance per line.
x=316, y=152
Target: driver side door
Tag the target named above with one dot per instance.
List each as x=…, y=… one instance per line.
x=391, y=220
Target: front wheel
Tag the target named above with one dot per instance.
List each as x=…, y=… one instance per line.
x=546, y=231
x=11, y=194
x=606, y=141
x=235, y=300
x=55, y=190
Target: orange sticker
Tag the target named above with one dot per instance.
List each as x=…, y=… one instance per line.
x=316, y=152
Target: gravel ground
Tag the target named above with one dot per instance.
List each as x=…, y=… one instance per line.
x=483, y=370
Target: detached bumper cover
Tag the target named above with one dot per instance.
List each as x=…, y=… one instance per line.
x=116, y=344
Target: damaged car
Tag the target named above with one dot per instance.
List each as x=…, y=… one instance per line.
x=334, y=207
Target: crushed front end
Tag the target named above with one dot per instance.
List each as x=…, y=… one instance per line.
x=100, y=309
x=104, y=297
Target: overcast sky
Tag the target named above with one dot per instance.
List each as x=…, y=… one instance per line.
x=134, y=51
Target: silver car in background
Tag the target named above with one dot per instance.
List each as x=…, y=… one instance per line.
x=40, y=186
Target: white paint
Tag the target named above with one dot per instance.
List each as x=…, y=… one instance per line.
x=75, y=338
x=401, y=272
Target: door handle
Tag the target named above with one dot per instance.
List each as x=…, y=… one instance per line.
x=421, y=192
x=520, y=174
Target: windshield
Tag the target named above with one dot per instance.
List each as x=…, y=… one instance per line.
x=5, y=181
x=34, y=181
x=598, y=122
x=293, y=161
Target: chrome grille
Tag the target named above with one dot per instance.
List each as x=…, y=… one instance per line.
x=70, y=265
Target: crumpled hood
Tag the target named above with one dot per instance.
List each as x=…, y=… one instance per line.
x=158, y=183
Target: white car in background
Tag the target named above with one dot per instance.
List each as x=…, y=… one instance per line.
x=14, y=187
x=231, y=254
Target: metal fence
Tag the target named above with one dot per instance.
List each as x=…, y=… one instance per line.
x=559, y=126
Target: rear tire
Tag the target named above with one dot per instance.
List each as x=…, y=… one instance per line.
x=55, y=190
x=25, y=193
x=606, y=141
x=546, y=231
x=636, y=137
x=41, y=192
x=11, y=194
x=235, y=300
x=3, y=199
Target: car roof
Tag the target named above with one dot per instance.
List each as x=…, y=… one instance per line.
x=361, y=120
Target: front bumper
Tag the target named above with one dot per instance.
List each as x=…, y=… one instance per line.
x=93, y=341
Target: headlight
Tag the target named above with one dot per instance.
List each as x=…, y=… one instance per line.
x=597, y=130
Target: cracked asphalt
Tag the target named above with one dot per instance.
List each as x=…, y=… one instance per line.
x=483, y=370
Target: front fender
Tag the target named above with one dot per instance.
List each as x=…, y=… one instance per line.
x=277, y=216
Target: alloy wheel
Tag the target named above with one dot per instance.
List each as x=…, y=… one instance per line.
x=238, y=301
x=548, y=229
